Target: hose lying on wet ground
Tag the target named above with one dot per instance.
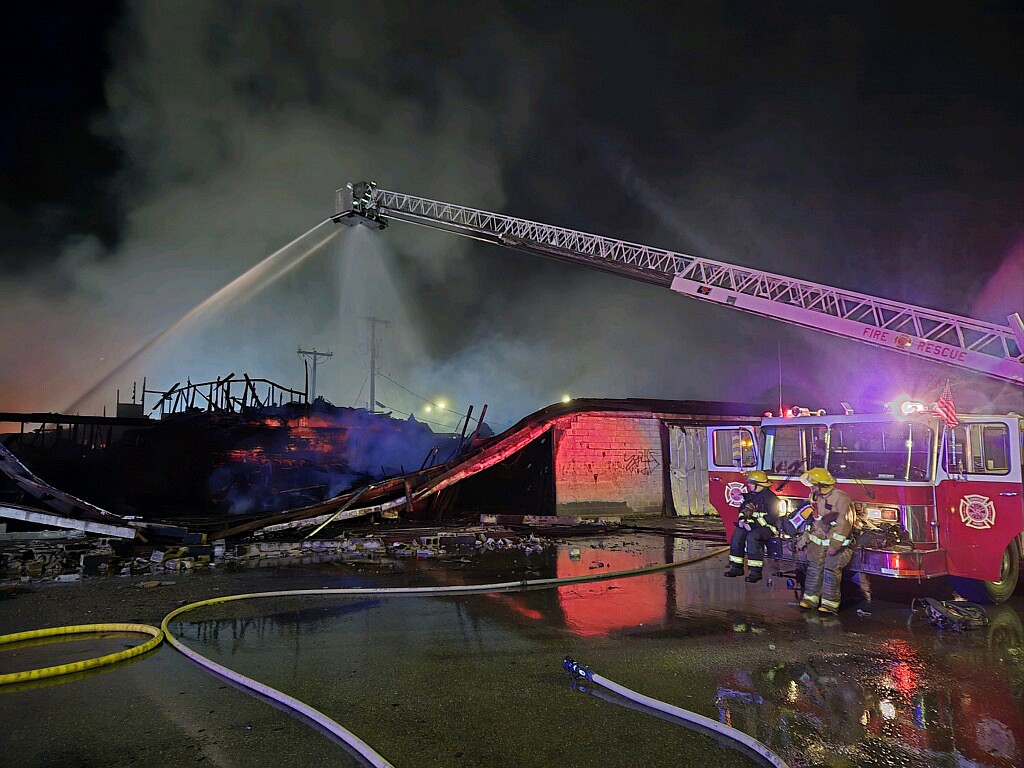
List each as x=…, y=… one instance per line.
x=759, y=750
x=156, y=636
x=321, y=721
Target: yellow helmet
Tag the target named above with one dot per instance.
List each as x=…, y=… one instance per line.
x=820, y=477
x=758, y=477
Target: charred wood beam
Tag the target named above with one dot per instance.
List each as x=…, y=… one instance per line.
x=57, y=418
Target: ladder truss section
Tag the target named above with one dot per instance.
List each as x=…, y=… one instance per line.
x=921, y=323
x=952, y=339
x=916, y=331
x=524, y=233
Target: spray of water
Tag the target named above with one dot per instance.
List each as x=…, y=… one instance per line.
x=368, y=288
x=245, y=286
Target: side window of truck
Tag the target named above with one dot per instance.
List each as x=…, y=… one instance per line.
x=733, y=447
x=979, y=449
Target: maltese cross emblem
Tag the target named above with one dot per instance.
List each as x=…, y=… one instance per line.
x=734, y=494
x=977, y=511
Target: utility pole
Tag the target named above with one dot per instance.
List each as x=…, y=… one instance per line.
x=315, y=356
x=373, y=321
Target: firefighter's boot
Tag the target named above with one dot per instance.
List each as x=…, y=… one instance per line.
x=830, y=607
x=735, y=569
x=754, y=576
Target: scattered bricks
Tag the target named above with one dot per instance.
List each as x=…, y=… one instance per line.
x=457, y=539
x=160, y=556
x=276, y=548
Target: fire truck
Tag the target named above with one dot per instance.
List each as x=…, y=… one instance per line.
x=939, y=500
x=932, y=500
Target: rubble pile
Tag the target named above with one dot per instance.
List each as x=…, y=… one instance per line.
x=69, y=560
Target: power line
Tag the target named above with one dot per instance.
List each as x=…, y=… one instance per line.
x=360, y=390
x=435, y=405
x=425, y=400
x=425, y=421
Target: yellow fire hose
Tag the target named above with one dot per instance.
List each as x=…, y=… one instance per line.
x=156, y=637
x=157, y=634
x=328, y=725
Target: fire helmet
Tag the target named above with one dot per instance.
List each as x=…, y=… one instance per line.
x=758, y=477
x=820, y=478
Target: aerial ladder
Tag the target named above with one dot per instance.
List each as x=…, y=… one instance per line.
x=974, y=345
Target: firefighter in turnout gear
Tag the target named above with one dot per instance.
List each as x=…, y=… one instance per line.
x=828, y=540
x=758, y=522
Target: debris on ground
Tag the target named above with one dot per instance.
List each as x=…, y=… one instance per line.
x=68, y=560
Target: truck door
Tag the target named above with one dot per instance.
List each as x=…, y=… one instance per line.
x=979, y=495
x=731, y=452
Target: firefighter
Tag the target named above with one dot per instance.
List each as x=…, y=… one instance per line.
x=828, y=541
x=758, y=522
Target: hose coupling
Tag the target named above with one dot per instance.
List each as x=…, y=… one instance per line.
x=576, y=669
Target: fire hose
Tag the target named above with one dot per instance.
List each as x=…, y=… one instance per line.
x=282, y=700
x=674, y=713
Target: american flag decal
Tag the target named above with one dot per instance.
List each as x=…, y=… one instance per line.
x=945, y=408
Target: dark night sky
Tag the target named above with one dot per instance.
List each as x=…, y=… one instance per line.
x=152, y=152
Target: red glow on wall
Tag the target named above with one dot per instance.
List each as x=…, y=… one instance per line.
x=610, y=459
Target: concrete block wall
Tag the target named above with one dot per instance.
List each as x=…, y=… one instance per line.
x=609, y=463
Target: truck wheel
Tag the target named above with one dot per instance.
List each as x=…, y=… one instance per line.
x=979, y=591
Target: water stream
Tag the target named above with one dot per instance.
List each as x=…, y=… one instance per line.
x=252, y=282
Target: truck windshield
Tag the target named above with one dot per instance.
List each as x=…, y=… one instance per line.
x=885, y=450
x=794, y=449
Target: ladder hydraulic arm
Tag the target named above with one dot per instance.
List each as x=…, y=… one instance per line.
x=994, y=350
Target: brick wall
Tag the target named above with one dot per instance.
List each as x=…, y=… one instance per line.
x=609, y=463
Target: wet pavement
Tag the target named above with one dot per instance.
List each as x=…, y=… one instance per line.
x=477, y=680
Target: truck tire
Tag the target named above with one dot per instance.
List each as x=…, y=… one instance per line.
x=991, y=592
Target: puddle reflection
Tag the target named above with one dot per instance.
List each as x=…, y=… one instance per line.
x=894, y=705
x=883, y=695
